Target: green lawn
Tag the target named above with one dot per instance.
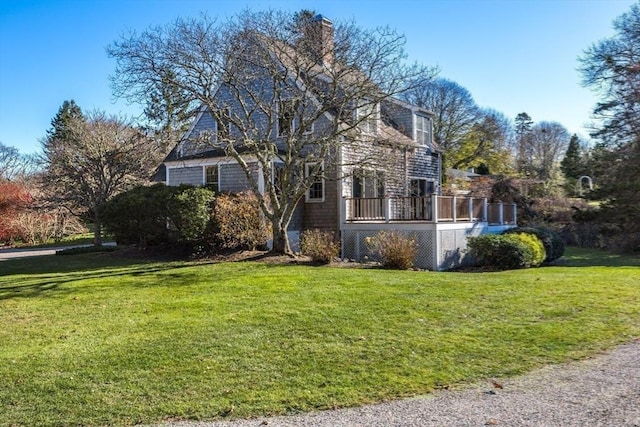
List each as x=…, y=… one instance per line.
x=97, y=340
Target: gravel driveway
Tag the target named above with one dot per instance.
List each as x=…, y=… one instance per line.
x=603, y=391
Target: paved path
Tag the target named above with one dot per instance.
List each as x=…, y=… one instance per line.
x=6, y=254
x=603, y=391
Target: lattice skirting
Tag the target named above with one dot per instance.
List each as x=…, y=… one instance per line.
x=355, y=247
x=439, y=248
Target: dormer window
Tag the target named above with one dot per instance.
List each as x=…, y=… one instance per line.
x=222, y=125
x=423, y=130
x=368, y=117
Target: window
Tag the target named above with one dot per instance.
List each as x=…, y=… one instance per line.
x=420, y=187
x=367, y=117
x=211, y=177
x=286, y=115
x=222, y=125
x=423, y=130
x=316, y=190
x=368, y=184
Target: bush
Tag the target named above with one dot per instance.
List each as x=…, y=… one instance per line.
x=553, y=243
x=139, y=216
x=537, y=248
x=321, y=246
x=239, y=222
x=394, y=249
x=502, y=251
x=189, y=213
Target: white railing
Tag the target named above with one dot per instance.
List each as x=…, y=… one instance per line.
x=429, y=208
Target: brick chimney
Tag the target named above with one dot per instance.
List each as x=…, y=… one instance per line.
x=319, y=34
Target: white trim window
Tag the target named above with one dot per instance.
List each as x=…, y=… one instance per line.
x=212, y=177
x=420, y=187
x=423, y=130
x=368, y=184
x=368, y=118
x=315, y=193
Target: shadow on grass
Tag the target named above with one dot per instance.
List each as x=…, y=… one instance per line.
x=48, y=273
x=584, y=257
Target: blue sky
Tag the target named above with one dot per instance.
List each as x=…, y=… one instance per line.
x=512, y=55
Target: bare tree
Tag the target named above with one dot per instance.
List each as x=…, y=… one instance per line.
x=285, y=89
x=547, y=144
x=15, y=165
x=98, y=157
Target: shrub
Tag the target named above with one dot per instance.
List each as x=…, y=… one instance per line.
x=158, y=215
x=321, y=246
x=394, y=249
x=139, y=216
x=537, y=248
x=553, y=243
x=189, y=213
x=33, y=228
x=239, y=222
x=502, y=251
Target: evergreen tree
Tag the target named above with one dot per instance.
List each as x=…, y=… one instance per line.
x=68, y=112
x=612, y=66
x=523, y=147
x=169, y=110
x=572, y=165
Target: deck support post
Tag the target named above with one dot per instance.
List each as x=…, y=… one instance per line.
x=387, y=209
x=453, y=208
x=485, y=210
x=434, y=207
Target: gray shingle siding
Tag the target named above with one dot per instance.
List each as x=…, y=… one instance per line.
x=423, y=164
x=191, y=175
x=233, y=179
x=401, y=118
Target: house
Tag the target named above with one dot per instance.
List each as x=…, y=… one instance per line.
x=370, y=165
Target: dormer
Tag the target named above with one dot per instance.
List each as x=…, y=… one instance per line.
x=367, y=117
x=422, y=129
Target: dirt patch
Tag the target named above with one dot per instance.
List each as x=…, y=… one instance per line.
x=167, y=254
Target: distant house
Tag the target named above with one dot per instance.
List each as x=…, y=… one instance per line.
x=390, y=180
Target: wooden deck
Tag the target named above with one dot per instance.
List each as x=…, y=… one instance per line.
x=431, y=209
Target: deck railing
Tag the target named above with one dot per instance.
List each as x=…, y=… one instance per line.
x=429, y=208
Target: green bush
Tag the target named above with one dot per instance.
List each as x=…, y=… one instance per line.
x=394, y=249
x=321, y=246
x=138, y=216
x=501, y=251
x=537, y=248
x=553, y=243
x=239, y=222
x=189, y=212
x=157, y=215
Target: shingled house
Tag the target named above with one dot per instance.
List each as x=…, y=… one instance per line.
x=383, y=175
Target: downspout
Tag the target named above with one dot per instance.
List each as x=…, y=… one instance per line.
x=340, y=198
x=439, y=191
x=406, y=173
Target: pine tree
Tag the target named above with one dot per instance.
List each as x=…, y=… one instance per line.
x=572, y=165
x=523, y=133
x=68, y=112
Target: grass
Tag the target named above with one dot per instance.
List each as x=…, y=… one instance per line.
x=94, y=339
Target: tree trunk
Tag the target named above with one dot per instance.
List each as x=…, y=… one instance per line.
x=97, y=232
x=281, y=243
